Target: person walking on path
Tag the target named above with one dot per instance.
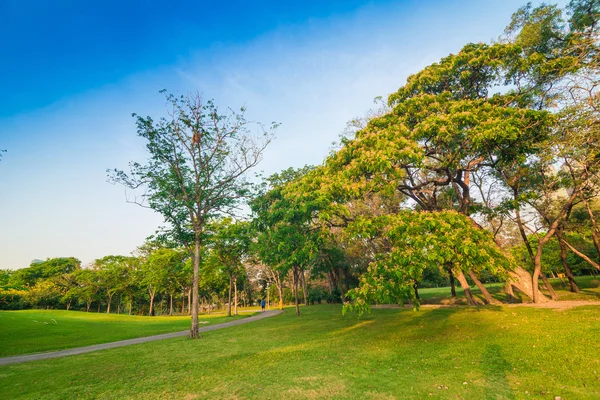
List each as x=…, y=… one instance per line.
x=262, y=304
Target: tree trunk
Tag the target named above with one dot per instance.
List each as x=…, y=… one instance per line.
x=568, y=272
x=235, y=299
x=416, y=289
x=338, y=283
x=486, y=295
x=295, y=277
x=68, y=305
x=189, y=304
x=509, y=293
x=304, y=288
x=466, y=288
x=537, y=268
x=110, y=296
x=229, y=302
x=537, y=264
x=452, y=287
x=279, y=285
x=595, y=232
x=293, y=286
x=130, y=305
x=182, y=302
x=151, y=311
x=549, y=287
x=171, y=304
x=582, y=255
x=525, y=239
x=89, y=304
x=522, y=280
x=194, y=334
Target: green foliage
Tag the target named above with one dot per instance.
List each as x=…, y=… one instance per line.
x=551, y=262
x=162, y=268
x=286, y=235
x=230, y=244
x=421, y=240
x=44, y=270
x=585, y=15
x=5, y=275
x=13, y=298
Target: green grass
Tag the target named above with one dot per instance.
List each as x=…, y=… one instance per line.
x=590, y=290
x=445, y=353
x=32, y=331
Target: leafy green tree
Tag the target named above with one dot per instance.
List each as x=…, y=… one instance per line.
x=87, y=288
x=197, y=167
x=5, y=275
x=487, y=108
x=112, y=272
x=287, y=241
x=158, y=272
x=65, y=284
x=229, y=247
x=44, y=270
x=45, y=293
x=422, y=240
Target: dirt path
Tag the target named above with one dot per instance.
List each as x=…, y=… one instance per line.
x=129, y=342
x=558, y=305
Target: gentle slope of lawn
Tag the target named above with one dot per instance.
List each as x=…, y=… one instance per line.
x=589, y=286
x=449, y=353
x=32, y=331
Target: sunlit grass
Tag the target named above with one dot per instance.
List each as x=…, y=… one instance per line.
x=31, y=331
x=448, y=353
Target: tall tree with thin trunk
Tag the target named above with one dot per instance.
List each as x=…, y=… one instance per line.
x=287, y=240
x=197, y=167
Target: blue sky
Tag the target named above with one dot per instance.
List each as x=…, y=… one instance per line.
x=73, y=72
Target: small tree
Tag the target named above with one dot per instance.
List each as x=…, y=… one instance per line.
x=229, y=247
x=112, y=273
x=197, y=168
x=159, y=272
x=87, y=287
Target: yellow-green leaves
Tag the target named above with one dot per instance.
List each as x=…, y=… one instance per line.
x=421, y=240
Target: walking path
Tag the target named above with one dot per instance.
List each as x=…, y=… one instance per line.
x=128, y=342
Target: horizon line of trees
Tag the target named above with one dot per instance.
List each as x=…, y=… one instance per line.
x=484, y=166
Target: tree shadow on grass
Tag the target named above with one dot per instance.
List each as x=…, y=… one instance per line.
x=591, y=293
x=495, y=368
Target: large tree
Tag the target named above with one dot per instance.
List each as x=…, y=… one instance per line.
x=197, y=167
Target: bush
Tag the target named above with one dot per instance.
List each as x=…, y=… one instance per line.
x=316, y=295
x=13, y=298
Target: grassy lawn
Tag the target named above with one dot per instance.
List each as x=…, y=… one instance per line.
x=32, y=331
x=590, y=290
x=446, y=353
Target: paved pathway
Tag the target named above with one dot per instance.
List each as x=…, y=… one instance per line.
x=128, y=342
